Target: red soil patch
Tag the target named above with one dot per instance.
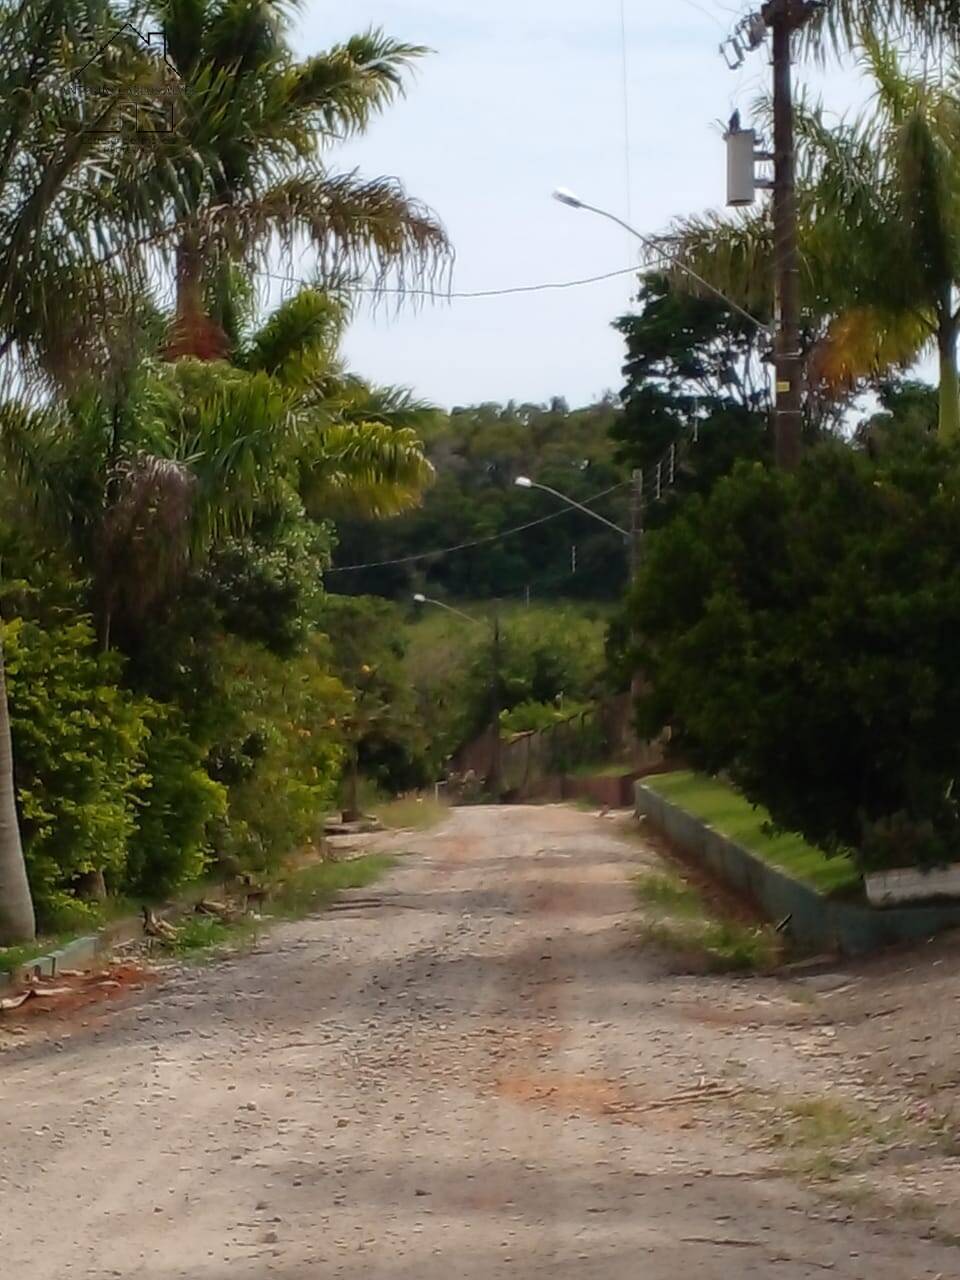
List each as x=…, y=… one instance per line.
x=74, y=993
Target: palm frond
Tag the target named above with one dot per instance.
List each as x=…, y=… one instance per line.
x=366, y=467
x=840, y=24
x=734, y=254
x=300, y=338
x=357, y=226
x=867, y=343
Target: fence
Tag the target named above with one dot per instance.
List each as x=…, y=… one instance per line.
x=535, y=763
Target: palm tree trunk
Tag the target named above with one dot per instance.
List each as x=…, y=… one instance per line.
x=17, y=921
x=949, y=381
x=195, y=332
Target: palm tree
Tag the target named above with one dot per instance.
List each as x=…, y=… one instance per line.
x=247, y=159
x=841, y=24
x=242, y=170
x=879, y=207
x=71, y=250
x=199, y=449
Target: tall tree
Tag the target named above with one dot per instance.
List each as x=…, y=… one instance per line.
x=199, y=450
x=73, y=228
x=247, y=159
x=877, y=191
x=695, y=379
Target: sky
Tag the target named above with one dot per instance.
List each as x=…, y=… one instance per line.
x=517, y=98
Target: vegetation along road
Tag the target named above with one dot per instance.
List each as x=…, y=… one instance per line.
x=476, y=1071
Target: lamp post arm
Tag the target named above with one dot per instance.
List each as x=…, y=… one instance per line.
x=649, y=243
x=450, y=609
x=571, y=502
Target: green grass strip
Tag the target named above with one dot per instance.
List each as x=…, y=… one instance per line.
x=735, y=817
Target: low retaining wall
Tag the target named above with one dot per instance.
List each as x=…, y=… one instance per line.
x=816, y=923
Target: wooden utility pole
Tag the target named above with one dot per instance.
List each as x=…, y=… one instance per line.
x=784, y=17
x=636, y=520
x=496, y=763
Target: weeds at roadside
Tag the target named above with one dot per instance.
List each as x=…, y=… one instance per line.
x=680, y=920
x=312, y=887
x=306, y=890
x=205, y=933
x=412, y=813
x=825, y=1139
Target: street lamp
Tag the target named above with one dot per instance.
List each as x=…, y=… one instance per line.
x=574, y=202
x=524, y=482
x=420, y=598
x=496, y=767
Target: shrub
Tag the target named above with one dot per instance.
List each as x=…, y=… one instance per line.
x=79, y=750
x=170, y=845
x=285, y=733
x=800, y=632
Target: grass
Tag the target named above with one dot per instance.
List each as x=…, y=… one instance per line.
x=315, y=886
x=678, y=919
x=825, y=1138
x=412, y=813
x=732, y=815
x=205, y=933
x=304, y=891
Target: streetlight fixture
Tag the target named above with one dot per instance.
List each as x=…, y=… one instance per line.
x=524, y=482
x=496, y=765
x=420, y=598
x=564, y=196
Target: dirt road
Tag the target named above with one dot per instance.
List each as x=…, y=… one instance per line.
x=483, y=1076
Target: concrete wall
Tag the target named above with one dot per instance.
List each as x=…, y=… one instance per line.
x=816, y=923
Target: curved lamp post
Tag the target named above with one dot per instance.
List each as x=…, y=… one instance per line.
x=496, y=768
x=574, y=202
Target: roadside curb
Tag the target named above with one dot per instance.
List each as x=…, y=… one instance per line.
x=78, y=954
x=85, y=951
x=816, y=923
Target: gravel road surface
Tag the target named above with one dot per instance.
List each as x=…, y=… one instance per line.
x=475, y=1072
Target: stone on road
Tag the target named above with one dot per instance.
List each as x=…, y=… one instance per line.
x=477, y=1074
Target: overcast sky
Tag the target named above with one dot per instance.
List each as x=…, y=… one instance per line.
x=521, y=96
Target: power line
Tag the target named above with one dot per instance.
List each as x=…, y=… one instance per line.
x=706, y=12
x=477, y=542
x=473, y=293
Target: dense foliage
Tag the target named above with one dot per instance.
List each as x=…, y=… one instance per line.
x=172, y=698
x=550, y=663
x=798, y=632
x=81, y=758
x=478, y=452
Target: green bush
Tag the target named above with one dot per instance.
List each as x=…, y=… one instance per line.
x=79, y=750
x=170, y=845
x=799, y=632
x=290, y=708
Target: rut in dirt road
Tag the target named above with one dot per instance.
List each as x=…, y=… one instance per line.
x=483, y=1076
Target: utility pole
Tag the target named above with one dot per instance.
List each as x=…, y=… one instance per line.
x=783, y=18
x=636, y=519
x=496, y=763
